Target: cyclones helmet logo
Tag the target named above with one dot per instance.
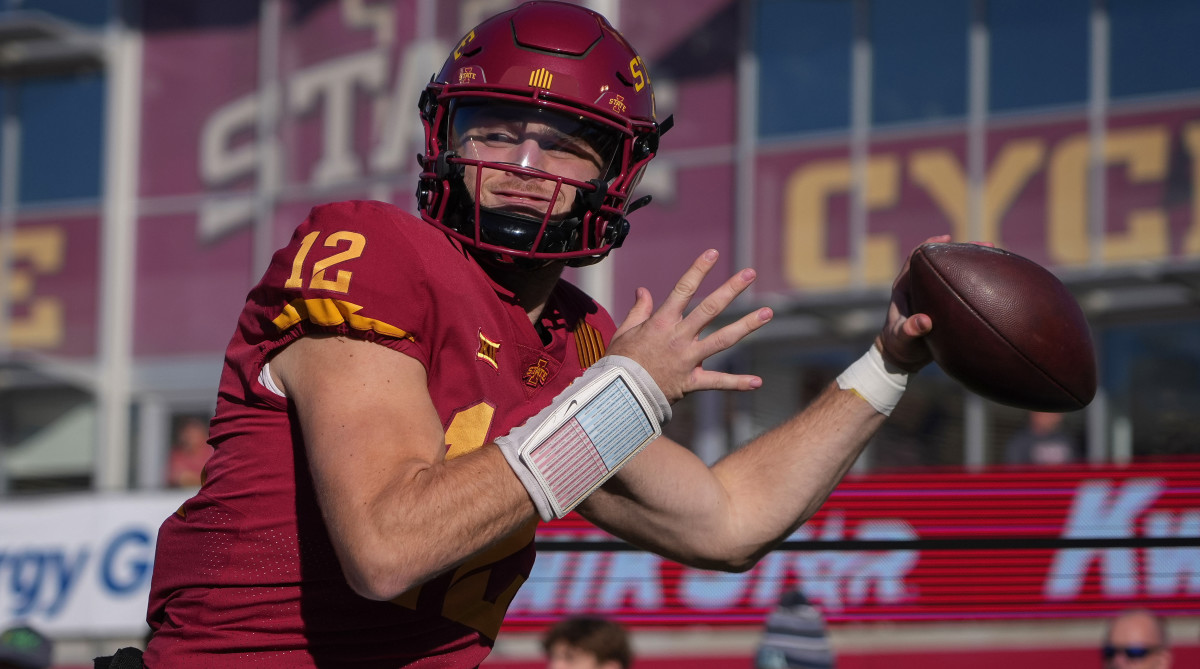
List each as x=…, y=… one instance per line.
x=466, y=75
x=617, y=102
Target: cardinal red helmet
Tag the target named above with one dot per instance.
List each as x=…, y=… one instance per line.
x=552, y=66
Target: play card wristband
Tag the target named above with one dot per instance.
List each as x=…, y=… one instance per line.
x=586, y=434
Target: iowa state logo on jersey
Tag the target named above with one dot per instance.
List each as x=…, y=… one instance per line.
x=537, y=373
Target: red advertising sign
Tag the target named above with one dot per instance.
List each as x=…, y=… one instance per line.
x=1009, y=543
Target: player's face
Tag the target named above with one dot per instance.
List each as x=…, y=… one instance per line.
x=551, y=143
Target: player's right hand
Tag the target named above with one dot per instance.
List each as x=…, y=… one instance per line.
x=667, y=342
x=901, y=340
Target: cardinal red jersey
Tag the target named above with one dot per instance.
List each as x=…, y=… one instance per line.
x=245, y=570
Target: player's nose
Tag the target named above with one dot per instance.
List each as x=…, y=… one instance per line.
x=529, y=153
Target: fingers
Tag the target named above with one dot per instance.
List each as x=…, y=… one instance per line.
x=736, y=331
x=704, y=379
x=689, y=283
x=718, y=300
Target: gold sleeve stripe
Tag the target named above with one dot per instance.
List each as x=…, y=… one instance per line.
x=330, y=312
x=589, y=344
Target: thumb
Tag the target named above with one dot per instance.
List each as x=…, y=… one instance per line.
x=917, y=325
x=643, y=306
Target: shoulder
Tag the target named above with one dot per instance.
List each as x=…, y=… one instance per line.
x=376, y=240
x=383, y=222
x=578, y=305
x=360, y=268
x=588, y=321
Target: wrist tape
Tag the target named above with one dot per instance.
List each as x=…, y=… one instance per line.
x=586, y=435
x=869, y=378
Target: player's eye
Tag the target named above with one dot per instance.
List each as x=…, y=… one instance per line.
x=563, y=145
x=498, y=138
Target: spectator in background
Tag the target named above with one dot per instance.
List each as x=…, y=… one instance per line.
x=795, y=636
x=587, y=642
x=1043, y=442
x=1136, y=638
x=189, y=452
x=23, y=647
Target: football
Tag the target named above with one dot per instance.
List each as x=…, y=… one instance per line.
x=1004, y=326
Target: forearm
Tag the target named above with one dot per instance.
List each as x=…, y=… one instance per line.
x=428, y=519
x=729, y=516
x=779, y=480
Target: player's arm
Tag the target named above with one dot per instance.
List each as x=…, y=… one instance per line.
x=398, y=512
x=727, y=516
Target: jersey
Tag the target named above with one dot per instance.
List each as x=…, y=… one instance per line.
x=245, y=568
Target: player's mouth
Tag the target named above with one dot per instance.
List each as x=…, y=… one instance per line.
x=519, y=201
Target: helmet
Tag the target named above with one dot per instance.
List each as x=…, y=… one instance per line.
x=558, y=74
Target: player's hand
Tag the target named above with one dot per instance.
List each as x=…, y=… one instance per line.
x=901, y=341
x=667, y=342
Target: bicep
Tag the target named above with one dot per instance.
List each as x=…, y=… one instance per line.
x=366, y=418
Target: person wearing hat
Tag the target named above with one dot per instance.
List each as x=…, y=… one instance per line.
x=795, y=636
x=23, y=647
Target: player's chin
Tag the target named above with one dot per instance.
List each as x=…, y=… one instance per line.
x=531, y=208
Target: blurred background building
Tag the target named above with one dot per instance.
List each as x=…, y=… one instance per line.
x=154, y=154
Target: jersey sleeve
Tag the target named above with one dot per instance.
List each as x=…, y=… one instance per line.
x=354, y=269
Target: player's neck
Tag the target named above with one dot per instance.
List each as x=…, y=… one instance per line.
x=531, y=287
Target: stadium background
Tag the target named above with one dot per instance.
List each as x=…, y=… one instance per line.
x=152, y=156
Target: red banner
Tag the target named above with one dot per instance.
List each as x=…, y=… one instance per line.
x=1003, y=544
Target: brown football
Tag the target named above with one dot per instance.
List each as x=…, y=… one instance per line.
x=1004, y=326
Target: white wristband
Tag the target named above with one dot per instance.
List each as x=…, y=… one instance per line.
x=586, y=434
x=870, y=379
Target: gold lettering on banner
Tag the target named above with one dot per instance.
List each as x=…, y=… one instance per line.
x=806, y=223
x=1191, y=139
x=940, y=174
x=1143, y=152
x=34, y=321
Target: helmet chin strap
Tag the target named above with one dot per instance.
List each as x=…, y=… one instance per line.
x=517, y=232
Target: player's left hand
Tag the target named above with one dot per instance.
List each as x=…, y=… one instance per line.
x=667, y=342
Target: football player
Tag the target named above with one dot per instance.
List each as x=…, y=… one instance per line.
x=404, y=399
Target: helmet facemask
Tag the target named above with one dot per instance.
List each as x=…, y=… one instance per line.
x=534, y=179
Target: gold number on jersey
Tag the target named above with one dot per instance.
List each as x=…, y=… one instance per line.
x=466, y=601
x=341, y=284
